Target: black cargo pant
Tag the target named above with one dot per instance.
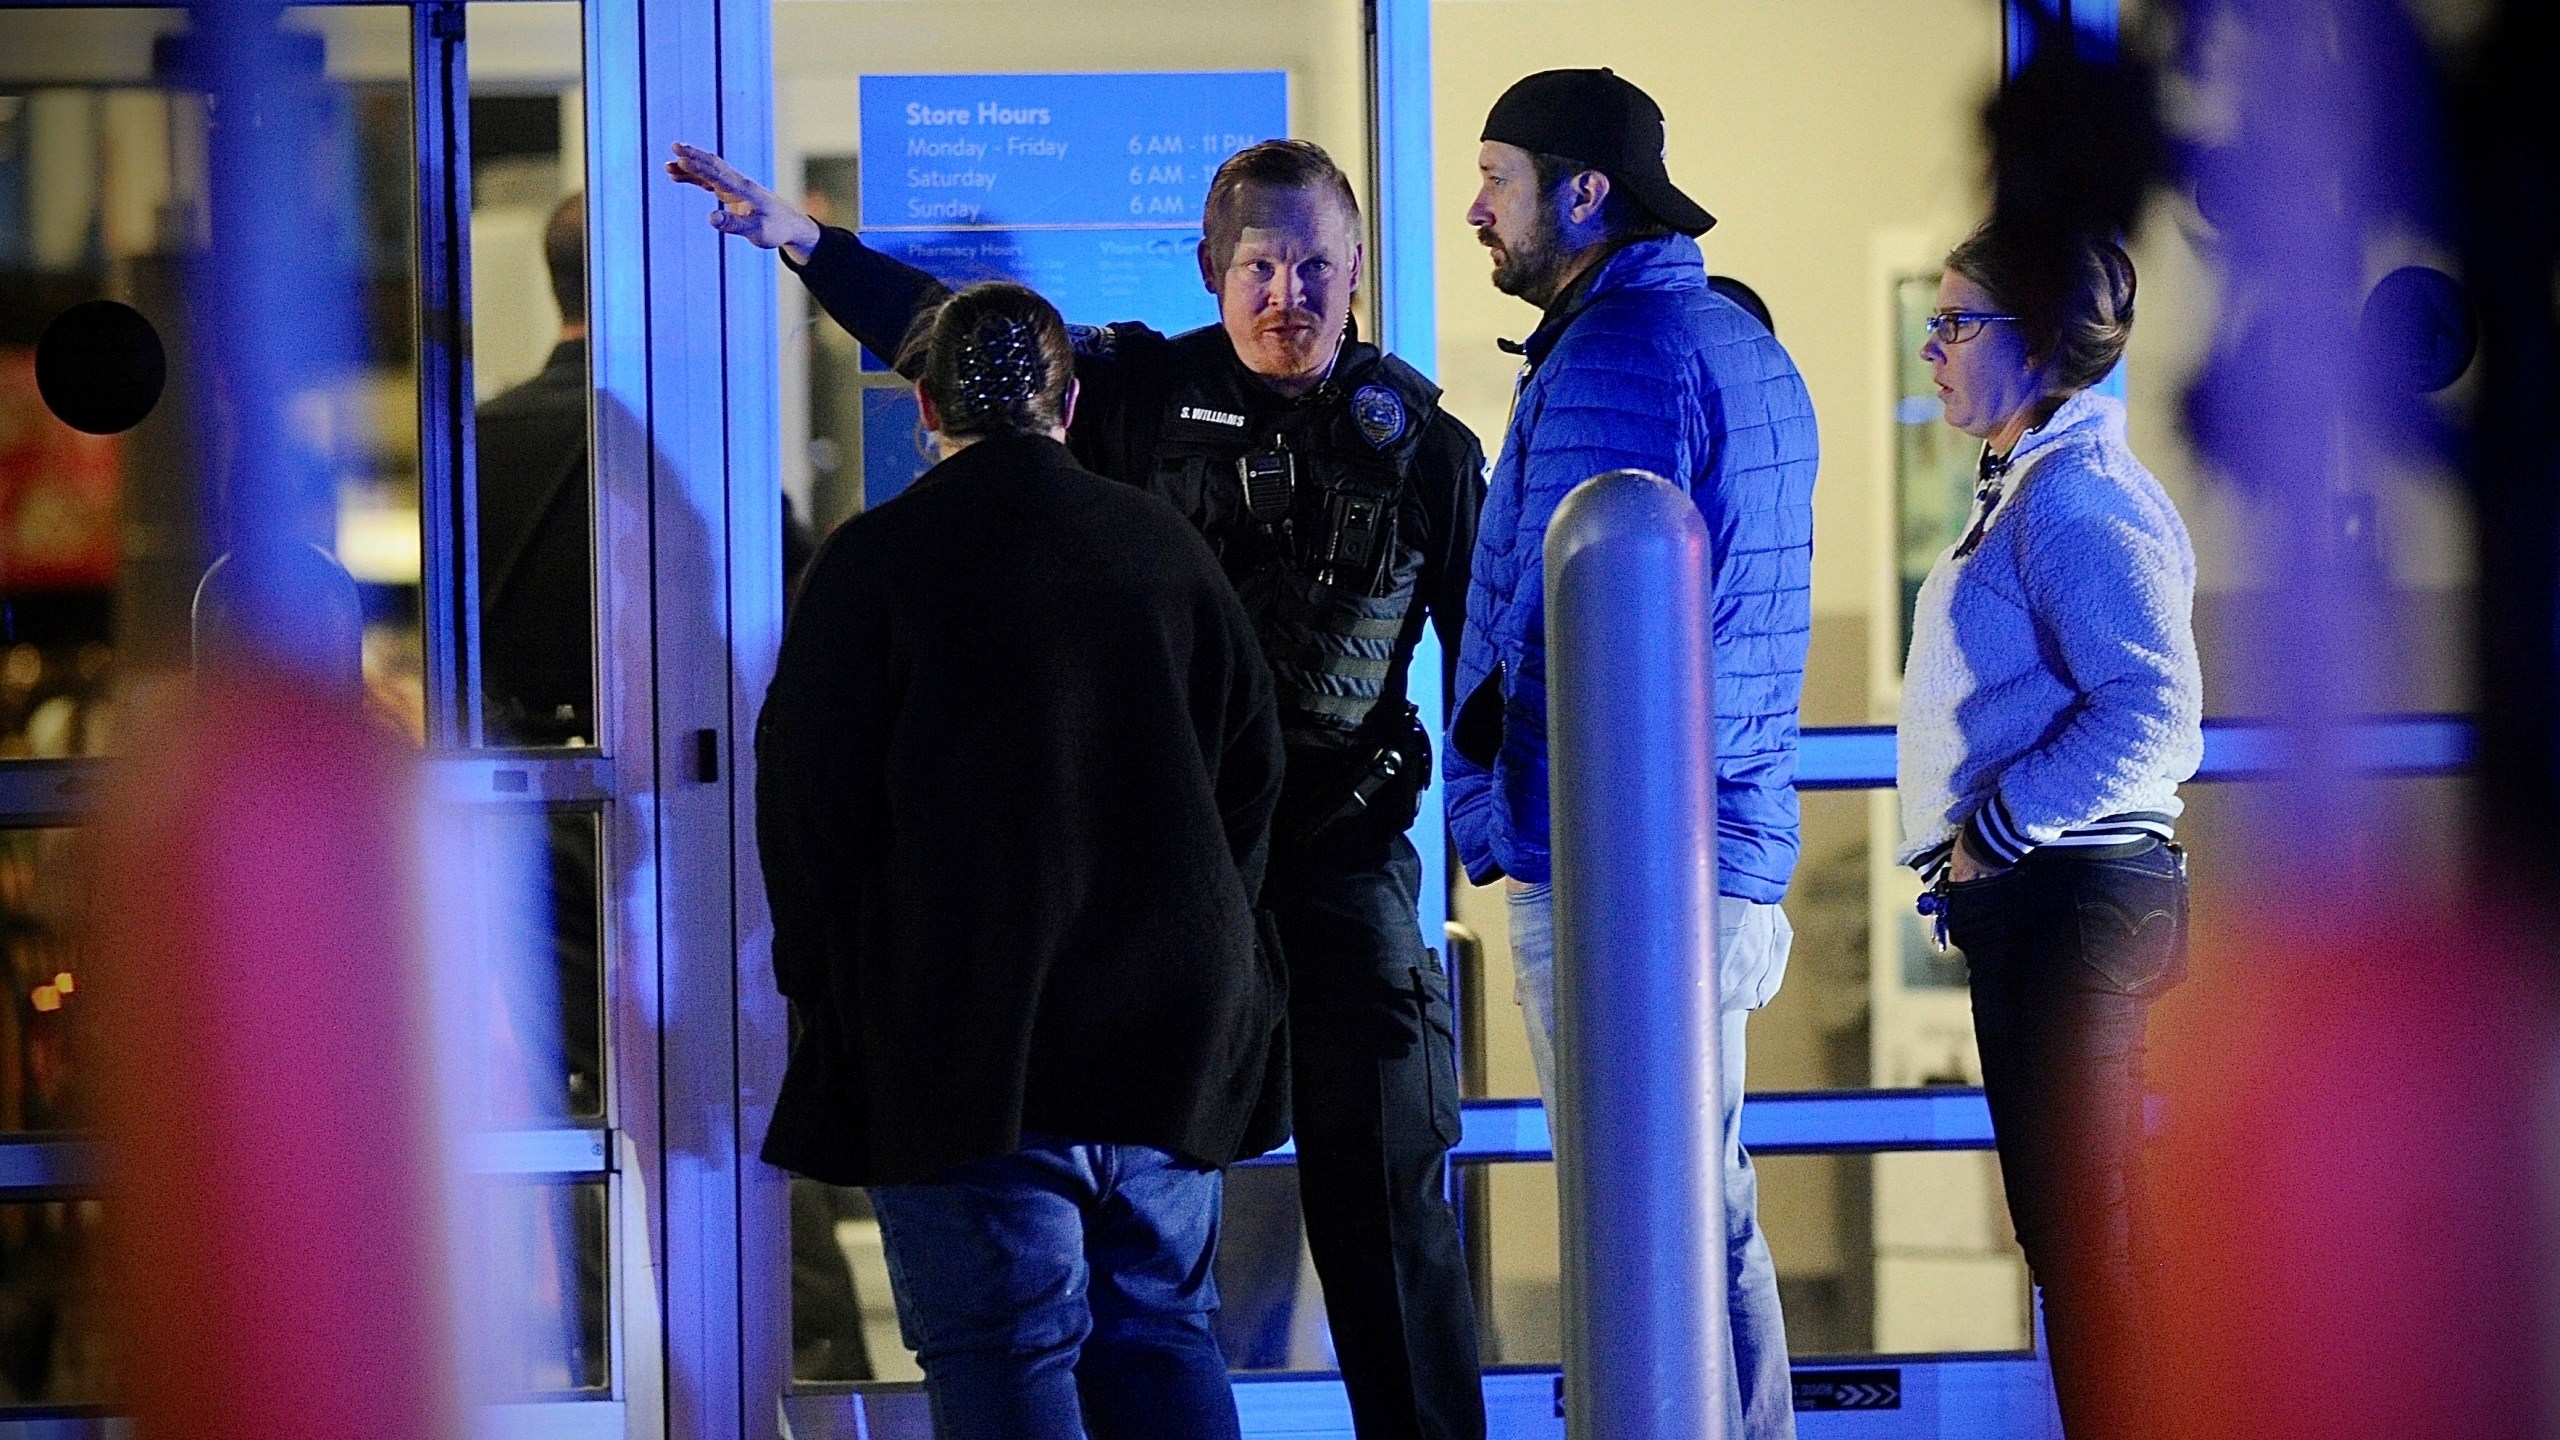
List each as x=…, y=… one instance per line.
x=1375, y=1102
x=2067, y=952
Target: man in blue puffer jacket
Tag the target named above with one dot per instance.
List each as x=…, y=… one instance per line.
x=1639, y=365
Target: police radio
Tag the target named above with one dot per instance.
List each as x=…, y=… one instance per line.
x=1269, y=478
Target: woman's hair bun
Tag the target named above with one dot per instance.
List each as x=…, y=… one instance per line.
x=994, y=359
x=2072, y=294
x=1000, y=366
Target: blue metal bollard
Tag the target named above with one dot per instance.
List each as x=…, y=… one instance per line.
x=1639, y=1147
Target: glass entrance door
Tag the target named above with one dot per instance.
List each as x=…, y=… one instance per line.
x=502, y=528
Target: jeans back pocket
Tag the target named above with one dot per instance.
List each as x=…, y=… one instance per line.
x=2133, y=921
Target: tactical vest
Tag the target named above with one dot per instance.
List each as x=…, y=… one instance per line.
x=1313, y=544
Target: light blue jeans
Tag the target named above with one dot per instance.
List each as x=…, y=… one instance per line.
x=1752, y=941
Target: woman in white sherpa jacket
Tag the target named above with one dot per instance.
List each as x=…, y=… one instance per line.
x=2050, y=707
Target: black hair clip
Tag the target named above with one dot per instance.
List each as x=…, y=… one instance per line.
x=1000, y=367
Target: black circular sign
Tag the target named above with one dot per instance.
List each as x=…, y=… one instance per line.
x=2418, y=330
x=100, y=367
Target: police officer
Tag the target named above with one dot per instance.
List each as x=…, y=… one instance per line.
x=1343, y=502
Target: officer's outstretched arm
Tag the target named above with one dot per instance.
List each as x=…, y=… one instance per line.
x=747, y=210
x=873, y=296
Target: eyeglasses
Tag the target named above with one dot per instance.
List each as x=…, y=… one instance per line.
x=1954, y=327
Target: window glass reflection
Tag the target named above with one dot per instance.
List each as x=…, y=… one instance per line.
x=40, y=901
x=529, y=373
x=1900, y=1253
x=574, y=1079
x=547, y=1322
x=539, y=951
x=53, y=1340
x=105, y=538
x=527, y=960
x=844, y=1323
x=1897, y=1253
x=544, y=1302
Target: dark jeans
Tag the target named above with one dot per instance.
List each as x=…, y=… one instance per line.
x=1375, y=1100
x=1061, y=1291
x=2067, y=953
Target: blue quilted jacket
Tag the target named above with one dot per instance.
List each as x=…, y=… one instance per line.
x=1648, y=370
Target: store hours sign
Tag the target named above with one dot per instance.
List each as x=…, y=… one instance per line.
x=1085, y=187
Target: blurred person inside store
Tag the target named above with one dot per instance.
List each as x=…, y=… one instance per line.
x=537, y=550
x=537, y=526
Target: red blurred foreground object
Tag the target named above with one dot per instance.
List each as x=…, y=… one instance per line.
x=266, y=1077
x=2347, y=1185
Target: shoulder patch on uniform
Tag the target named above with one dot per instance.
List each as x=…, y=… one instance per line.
x=1094, y=340
x=1379, y=414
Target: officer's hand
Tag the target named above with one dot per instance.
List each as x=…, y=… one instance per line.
x=747, y=210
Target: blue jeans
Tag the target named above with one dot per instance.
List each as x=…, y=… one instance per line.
x=1061, y=1291
x=1752, y=941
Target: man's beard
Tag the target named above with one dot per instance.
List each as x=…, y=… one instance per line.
x=1289, y=354
x=1529, y=268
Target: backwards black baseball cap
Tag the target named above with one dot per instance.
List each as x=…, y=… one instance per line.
x=1594, y=118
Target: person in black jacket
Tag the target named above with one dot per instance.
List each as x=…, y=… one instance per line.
x=1017, y=774
x=537, y=547
x=1342, y=502
x=537, y=634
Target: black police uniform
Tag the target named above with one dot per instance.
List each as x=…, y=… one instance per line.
x=1346, y=517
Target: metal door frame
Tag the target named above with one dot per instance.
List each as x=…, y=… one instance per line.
x=686, y=425
x=688, y=567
